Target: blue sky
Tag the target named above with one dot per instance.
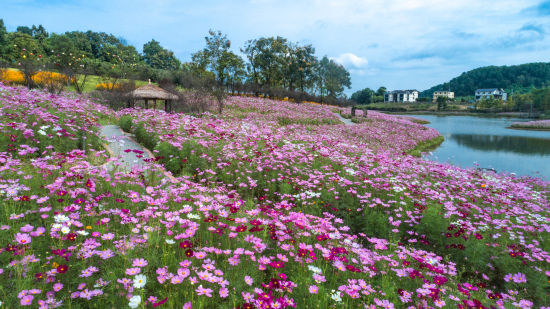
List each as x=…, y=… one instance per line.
x=399, y=44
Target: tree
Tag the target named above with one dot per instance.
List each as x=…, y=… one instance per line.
x=3, y=41
x=332, y=78
x=381, y=91
x=365, y=96
x=299, y=64
x=39, y=33
x=28, y=55
x=234, y=69
x=158, y=57
x=215, y=56
x=267, y=60
x=24, y=30
x=441, y=103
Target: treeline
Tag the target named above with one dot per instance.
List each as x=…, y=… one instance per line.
x=367, y=96
x=272, y=67
x=520, y=78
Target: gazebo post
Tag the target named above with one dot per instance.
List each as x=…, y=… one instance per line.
x=155, y=104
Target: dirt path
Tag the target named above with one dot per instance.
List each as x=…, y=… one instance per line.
x=345, y=120
x=121, y=145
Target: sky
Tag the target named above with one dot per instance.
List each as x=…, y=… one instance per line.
x=399, y=44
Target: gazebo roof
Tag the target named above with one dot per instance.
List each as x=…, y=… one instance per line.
x=150, y=91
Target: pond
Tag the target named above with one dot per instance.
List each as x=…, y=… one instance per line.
x=485, y=142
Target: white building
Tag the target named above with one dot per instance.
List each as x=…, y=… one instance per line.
x=491, y=93
x=401, y=96
x=446, y=94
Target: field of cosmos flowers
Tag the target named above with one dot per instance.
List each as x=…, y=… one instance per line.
x=272, y=205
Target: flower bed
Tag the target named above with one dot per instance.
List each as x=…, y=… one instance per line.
x=265, y=215
x=536, y=124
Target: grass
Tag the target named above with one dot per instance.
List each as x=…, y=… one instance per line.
x=426, y=146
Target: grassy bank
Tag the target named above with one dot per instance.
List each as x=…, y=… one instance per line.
x=426, y=146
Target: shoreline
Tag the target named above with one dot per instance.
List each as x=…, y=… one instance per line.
x=456, y=113
x=528, y=128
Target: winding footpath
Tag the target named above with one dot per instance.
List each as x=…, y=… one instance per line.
x=121, y=145
x=345, y=120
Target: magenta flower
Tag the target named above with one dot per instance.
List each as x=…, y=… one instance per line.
x=133, y=271
x=224, y=292
x=519, y=278
x=202, y=291
x=26, y=300
x=313, y=289
x=57, y=287
x=139, y=262
x=22, y=238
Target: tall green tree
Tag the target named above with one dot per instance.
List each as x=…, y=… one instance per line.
x=365, y=96
x=266, y=58
x=3, y=41
x=215, y=55
x=234, y=69
x=27, y=53
x=332, y=78
x=299, y=65
x=158, y=57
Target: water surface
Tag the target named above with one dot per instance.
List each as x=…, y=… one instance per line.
x=486, y=142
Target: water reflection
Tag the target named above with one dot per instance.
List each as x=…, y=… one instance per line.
x=487, y=143
x=515, y=144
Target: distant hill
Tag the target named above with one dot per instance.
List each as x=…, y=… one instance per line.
x=518, y=77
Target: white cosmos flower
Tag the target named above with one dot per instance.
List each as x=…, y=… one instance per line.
x=139, y=281
x=134, y=301
x=170, y=241
x=61, y=218
x=65, y=230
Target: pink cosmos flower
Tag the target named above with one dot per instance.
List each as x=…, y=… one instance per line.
x=248, y=280
x=22, y=238
x=313, y=289
x=140, y=262
x=133, y=271
x=26, y=300
x=519, y=278
x=224, y=292
x=57, y=287
x=202, y=291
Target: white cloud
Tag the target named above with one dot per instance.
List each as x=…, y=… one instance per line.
x=350, y=59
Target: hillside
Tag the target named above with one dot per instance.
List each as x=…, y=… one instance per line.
x=518, y=77
x=271, y=205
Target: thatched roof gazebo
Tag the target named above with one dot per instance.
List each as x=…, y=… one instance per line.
x=153, y=93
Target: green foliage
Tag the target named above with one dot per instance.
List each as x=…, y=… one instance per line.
x=426, y=146
x=145, y=138
x=126, y=122
x=441, y=103
x=3, y=40
x=365, y=96
x=332, y=78
x=517, y=77
x=158, y=57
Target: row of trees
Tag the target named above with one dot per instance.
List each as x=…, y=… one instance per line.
x=272, y=66
x=367, y=96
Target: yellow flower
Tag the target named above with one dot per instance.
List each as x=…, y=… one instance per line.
x=88, y=227
x=54, y=265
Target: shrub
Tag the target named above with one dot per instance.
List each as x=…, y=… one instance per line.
x=145, y=138
x=125, y=122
